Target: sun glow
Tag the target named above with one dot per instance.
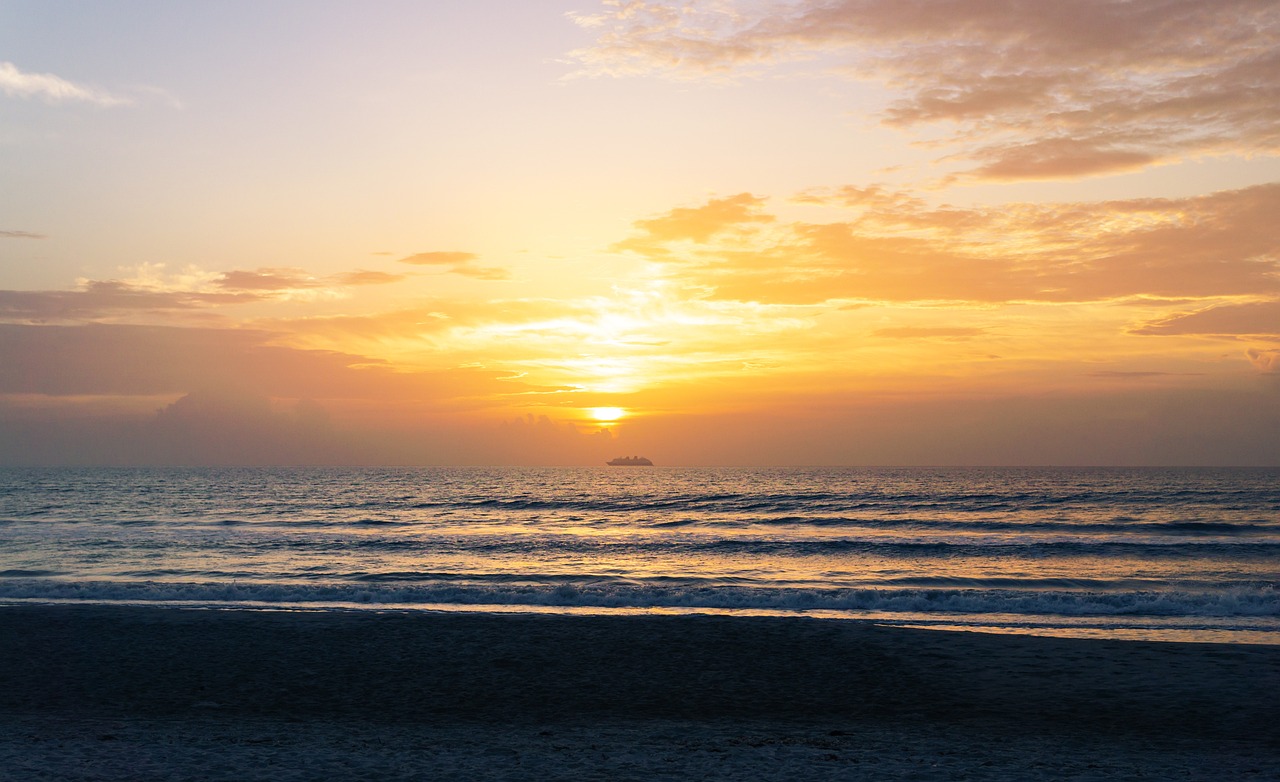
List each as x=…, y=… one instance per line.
x=607, y=414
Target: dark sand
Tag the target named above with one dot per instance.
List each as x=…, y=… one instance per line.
x=225, y=694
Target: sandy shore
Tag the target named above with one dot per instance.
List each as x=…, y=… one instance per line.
x=96, y=693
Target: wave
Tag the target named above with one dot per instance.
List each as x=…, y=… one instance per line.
x=837, y=502
x=897, y=548
x=1116, y=527
x=542, y=545
x=858, y=500
x=615, y=580
x=1241, y=601
x=1123, y=525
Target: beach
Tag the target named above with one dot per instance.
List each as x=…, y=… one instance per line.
x=158, y=693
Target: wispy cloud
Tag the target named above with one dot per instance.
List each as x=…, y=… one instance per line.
x=928, y=332
x=1267, y=361
x=1030, y=90
x=106, y=299
x=151, y=289
x=20, y=235
x=1256, y=319
x=150, y=360
x=1122, y=375
x=293, y=279
x=267, y=280
x=463, y=263
x=16, y=83
x=365, y=277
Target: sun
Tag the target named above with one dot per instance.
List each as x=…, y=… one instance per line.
x=606, y=414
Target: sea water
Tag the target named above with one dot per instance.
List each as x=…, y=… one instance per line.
x=1177, y=554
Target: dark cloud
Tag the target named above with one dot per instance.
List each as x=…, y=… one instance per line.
x=230, y=426
x=100, y=359
x=97, y=299
x=227, y=427
x=210, y=427
x=1144, y=424
x=111, y=298
x=1118, y=424
x=1034, y=90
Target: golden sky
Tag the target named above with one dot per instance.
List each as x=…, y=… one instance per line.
x=711, y=232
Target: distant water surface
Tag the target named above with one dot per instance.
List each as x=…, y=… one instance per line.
x=1185, y=554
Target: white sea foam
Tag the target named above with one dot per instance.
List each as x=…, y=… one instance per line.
x=1243, y=603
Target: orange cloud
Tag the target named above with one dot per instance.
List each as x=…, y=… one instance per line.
x=459, y=263
x=1034, y=90
x=698, y=224
x=897, y=249
x=432, y=317
x=1259, y=319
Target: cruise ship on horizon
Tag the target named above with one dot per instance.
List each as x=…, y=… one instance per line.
x=629, y=461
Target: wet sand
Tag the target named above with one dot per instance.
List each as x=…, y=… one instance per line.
x=91, y=692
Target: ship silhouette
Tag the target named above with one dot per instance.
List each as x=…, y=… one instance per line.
x=629, y=461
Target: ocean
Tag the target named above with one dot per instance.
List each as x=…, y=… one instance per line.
x=1163, y=554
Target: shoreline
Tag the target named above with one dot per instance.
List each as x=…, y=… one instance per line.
x=156, y=660
x=168, y=677
x=1156, y=629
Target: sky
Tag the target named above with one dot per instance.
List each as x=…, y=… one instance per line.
x=765, y=232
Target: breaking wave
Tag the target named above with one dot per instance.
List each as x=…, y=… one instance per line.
x=1261, y=600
